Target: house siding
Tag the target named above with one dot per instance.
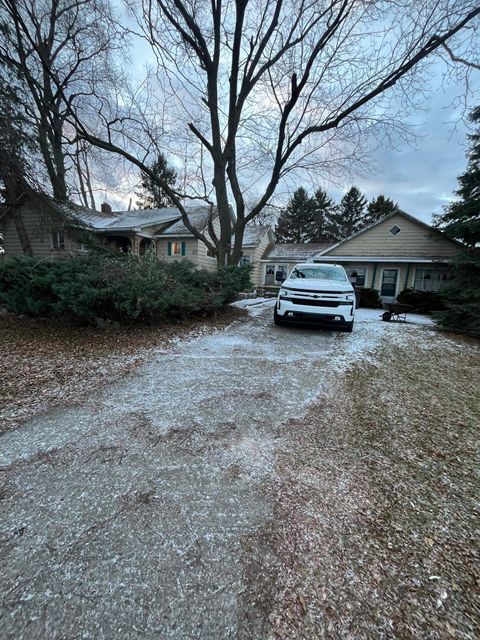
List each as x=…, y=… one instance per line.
x=191, y=249
x=256, y=254
x=39, y=230
x=204, y=260
x=413, y=240
x=195, y=250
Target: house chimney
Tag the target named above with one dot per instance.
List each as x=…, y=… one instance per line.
x=105, y=208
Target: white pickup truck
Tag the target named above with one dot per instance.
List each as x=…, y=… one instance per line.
x=316, y=293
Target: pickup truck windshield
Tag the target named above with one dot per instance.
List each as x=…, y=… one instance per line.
x=320, y=272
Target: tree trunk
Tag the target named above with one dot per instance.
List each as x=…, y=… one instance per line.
x=13, y=203
x=223, y=210
x=236, y=254
x=22, y=232
x=59, y=184
x=81, y=184
x=89, y=181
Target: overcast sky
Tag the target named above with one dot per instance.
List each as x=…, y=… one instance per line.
x=421, y=177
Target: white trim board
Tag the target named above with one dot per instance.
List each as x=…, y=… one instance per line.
x=401, y=259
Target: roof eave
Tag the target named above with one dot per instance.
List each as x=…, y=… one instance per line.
x=174, y=235
x=380, y=259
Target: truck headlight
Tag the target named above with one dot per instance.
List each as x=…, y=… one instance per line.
x=283, y=293
x=349, y=297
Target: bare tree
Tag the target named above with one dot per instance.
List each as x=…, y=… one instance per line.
x=63, y=51
x=81, y=159
x=267, y=216
x=256, y=90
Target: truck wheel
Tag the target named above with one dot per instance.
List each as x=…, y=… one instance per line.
x=348, y=328
x=276, y=318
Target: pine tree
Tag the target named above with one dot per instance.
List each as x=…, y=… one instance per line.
x=152, y=195
x=350, y=215
x=324, y=209
x=461, y=221
x=297, y=222
x=380, y=207
x=17, y=180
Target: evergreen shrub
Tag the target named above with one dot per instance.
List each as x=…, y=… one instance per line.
x=461, y=297
x=421, y=301
x=123, y=289
x=370, y=298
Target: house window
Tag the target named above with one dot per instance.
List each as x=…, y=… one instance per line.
x=269, y=274
x=176, y=248
x=244, y=260
x=210, y=254
x=58, y=239
x=429, y=279
x=275, y=274
x=360, y=273
x=280, y=273
x=395, y=230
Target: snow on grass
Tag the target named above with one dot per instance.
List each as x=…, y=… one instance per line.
x=251, y=302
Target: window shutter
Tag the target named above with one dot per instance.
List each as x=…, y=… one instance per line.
x=183, y=248
x=169, y=248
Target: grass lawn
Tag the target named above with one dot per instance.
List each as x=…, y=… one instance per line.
x=376, y=525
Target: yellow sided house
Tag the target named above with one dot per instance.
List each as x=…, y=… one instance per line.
x=55, y=232
x=395, y=253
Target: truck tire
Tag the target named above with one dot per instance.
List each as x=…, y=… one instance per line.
x=348, y=328
x=277, y=319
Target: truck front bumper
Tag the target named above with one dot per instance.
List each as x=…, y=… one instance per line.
x=329, y=312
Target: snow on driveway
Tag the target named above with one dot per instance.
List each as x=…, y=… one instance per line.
x=124, y=516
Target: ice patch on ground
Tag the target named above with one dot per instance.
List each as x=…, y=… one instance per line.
x=250, y=302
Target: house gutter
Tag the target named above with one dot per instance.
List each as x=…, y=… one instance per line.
x=386, y=259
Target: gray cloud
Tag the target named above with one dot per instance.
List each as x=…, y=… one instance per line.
x=422, y=178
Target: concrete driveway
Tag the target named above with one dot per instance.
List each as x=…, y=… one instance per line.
x=123, y=517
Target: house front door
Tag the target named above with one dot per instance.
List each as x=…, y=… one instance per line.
x=388, y=291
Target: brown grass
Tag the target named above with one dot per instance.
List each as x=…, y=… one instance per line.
x=376, y=517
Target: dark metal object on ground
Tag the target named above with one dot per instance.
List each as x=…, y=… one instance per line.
x=395, y=311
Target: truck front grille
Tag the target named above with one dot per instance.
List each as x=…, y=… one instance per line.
x=309, y=302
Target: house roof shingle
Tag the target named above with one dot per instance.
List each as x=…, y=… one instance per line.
x=253, y=235
x=121, y=220
x=143, y=218
x=198, y=217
